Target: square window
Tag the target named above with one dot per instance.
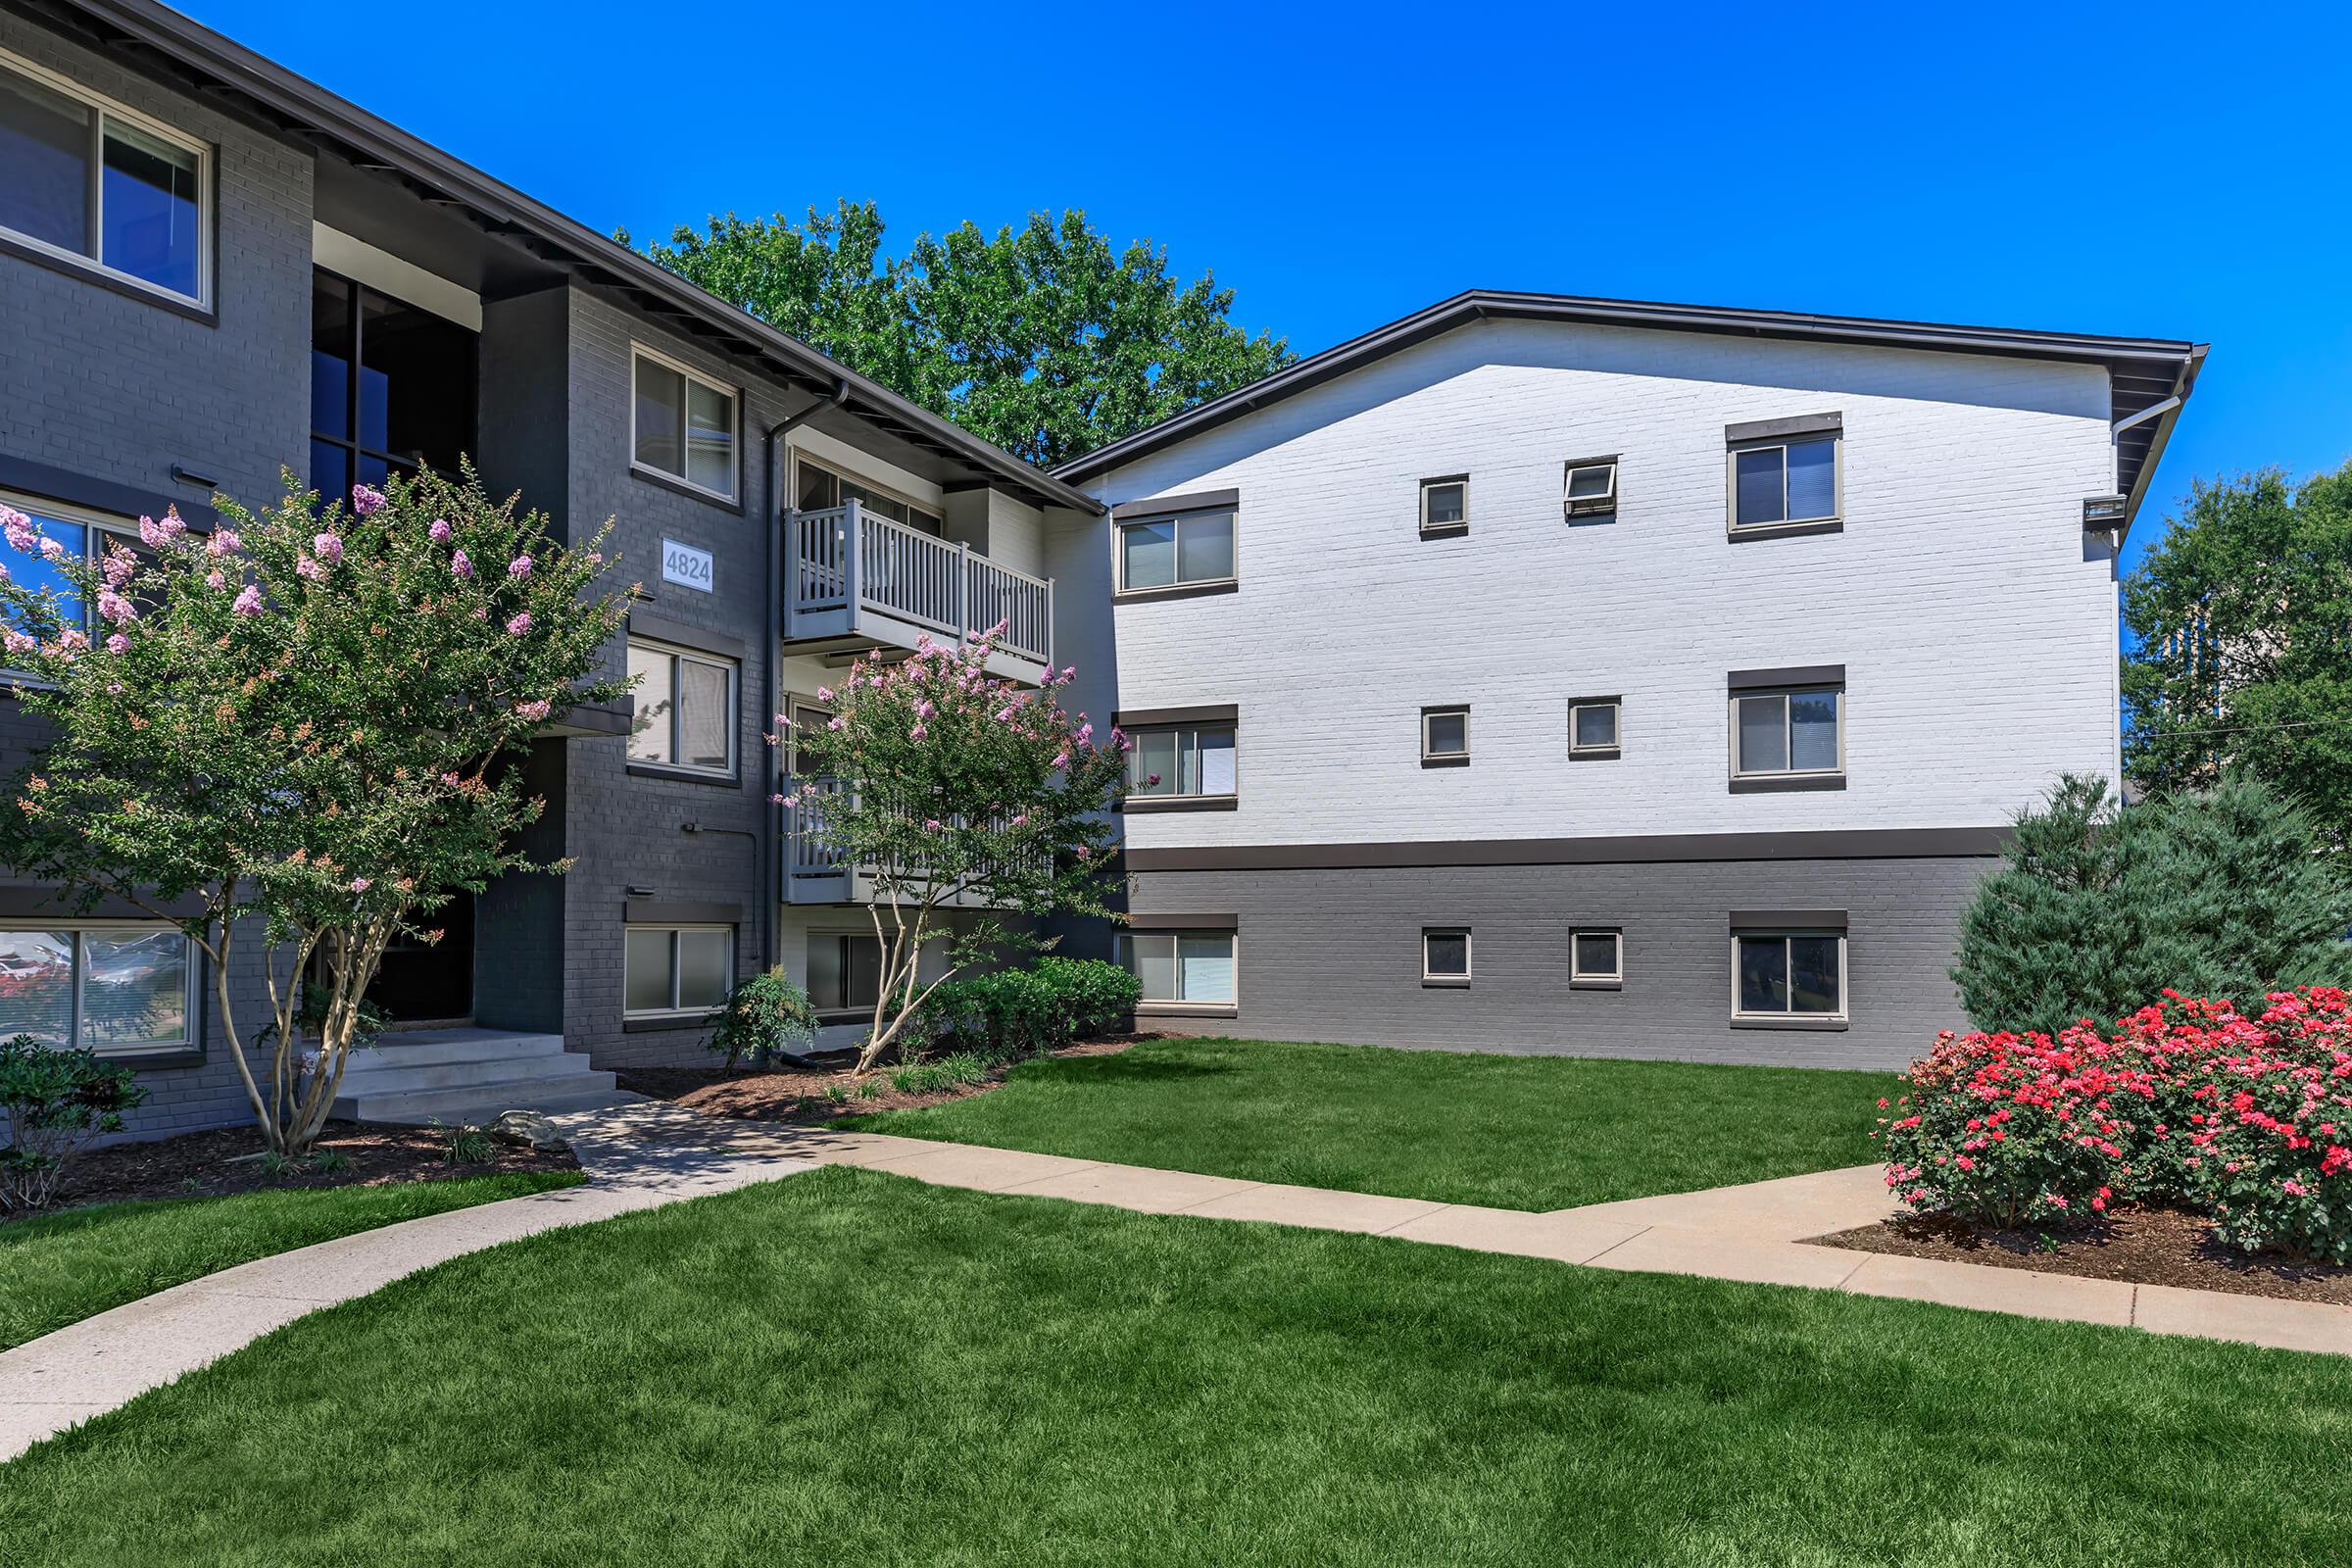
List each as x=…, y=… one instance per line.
x=682, y=426
x=1446, y=953
x=1788, y=975
x=1445, y=734
x=1181, y=760
x=1792, y=733
x=86, y=178
x=688, y=969
x=1784, y=482
x=1181, y=966
x=1596, y=955
x=685, y=710
x=1444, y=504
x=1178, y=551
x=119, y=987
x=1592, y=488
x=1593, y=726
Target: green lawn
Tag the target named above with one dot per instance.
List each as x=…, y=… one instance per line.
x=851, y=1368
x=58, y=1269
x=1509, y=1132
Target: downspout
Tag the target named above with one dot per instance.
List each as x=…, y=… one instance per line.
x=772, y=833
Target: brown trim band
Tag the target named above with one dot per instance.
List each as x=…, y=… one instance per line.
x=1774, y=429
x=1162, y=506
x=1184, y=922
x=1749, y=680
x=1860, y=843
x=1198, y=713
x=1150, y=804
x=1760, y=919
x=663, y=629
x=682, y=911
x=44, y=479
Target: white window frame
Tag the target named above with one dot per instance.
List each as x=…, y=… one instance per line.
x=93, y=524
x=1783, y=693
x=1614, y=975
x=1183, y=733
x=675, y=928
x=1834, y=439
x=1601, y=505
x=205, y=190
x=1615, y=746
x=676, y=656
x=1791, y=1014
x=192, y=1007
x=1123, y=953
x=1445, y=711
x=932, y=514
x=733, y=395
x=1430, y=977
x=1460, y=524
x=1176, y=519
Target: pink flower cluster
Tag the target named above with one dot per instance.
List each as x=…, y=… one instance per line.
x=2248, y=1120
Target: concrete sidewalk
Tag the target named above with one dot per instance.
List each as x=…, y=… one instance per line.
x=654, y=1153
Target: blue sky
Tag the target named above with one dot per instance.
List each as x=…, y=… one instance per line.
x=2159, y=170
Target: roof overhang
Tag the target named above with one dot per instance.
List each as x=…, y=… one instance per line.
x=155, y=38
x=2141, y=371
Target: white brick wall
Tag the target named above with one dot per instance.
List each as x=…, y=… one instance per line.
x=1976, y=628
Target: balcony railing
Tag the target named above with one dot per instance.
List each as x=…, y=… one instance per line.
x=853, y=573
x=815, y=872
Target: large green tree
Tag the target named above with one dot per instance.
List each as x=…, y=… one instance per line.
x=1042, y=339
x=2241, y=632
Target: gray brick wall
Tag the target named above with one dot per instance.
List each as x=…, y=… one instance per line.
x=1335, y=954
x=117, y=389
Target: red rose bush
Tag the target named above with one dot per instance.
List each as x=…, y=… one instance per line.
x=2247, y=1120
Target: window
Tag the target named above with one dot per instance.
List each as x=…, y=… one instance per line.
x=1593, y=727
x=1181, y=760
x=1788, y=733
x=1595, y=957
x=685, y=710
x=88, y=180
x=392, y=387
x=1445, y=505
x=1592, y=488
x=1444, y=736
x=845, y=971
x=1446, y=955
x=119, y=987
x=1781, y=483
x=681, y=968
x=1175, y=551
x=1788, y=975
x=682, y=426
x=1179, y=968
x=817, y=488
x=81, y=533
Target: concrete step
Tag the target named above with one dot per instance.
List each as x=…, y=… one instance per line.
x=452, y=1045
x=463, y=1102
x=387, y=1073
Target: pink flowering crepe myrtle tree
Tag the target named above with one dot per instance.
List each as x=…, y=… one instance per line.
x=297, y=723
x=937, y=779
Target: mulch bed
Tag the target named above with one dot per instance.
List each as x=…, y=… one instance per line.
x=205, y=1164
x=798, y=1094
x=2138, y=1246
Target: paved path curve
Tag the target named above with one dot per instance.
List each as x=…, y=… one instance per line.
x=655, y=1153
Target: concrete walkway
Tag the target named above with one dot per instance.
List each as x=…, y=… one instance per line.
x=654, y=1153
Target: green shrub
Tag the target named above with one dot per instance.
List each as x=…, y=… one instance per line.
x=767, y=1017
x=2099, y=907
x=465, y=1146
x=1093, y=996
x=57, y=1104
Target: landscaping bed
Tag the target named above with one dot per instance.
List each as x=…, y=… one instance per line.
x=207, y=1164
x=815, y=1096
x=2139, y=1246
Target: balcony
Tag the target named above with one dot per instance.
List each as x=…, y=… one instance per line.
x=855, y=580
x=815, y=873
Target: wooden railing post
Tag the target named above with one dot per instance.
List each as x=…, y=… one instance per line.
x=1047, y=639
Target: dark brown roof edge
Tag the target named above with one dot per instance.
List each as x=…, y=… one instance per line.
x=303, y=103
x=2170, y=361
